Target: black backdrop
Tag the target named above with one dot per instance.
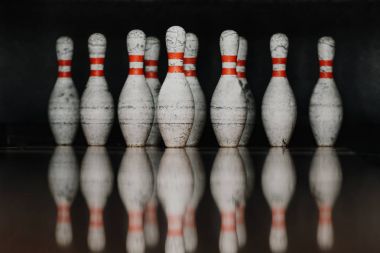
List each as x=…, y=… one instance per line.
x=28, y=32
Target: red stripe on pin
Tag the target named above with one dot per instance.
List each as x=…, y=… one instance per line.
x=151, y=63
x=64, y=74
x=175, y=69
x=190, y=60
x=97, y=73
x=64, y=62
x=278, y=60
x=229, y=58
x=241, y=74
x=228, y=71
x=97, y=60
x=136, y=71
x=241, y=63
x=325, y=75
x=151, y=74
x=190, y=72
x=279, y=73
x=136, y=58
x=173, y=56
x=326, y=63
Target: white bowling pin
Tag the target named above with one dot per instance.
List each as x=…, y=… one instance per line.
x=175, y=109
x=278, y=182
x=326, y=109
x=228, y=184
x=151, y=231
x=174, y=188
x=190, y=225
x=63, y=179
x=279, y=109
x=228, y=108
x=152, y=53
x=96, y=184
x=135, y=181
x=191, y=52
x=97, y=108
x=325, y=182
x=240, y=213
x=240, y=71
x=136, y=105
x=63, y=108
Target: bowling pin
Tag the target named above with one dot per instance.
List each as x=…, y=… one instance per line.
x=326, y=110
x=228, y=184
x=63, y=109
x=97, y=108
x=191, y=52
x=228, y=104
x=152, y=53
x=151, y=231
x=96, y=184
x=175, y=109
x=279, y=110
x=240, y=213
x=136, y=105
x=63, y=179
x=190, y=225
x=135, y=182
x=325, y=182
x=278, y=181
x=240, y=70
x=174, y=188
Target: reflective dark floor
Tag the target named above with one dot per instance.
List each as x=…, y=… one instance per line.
x=193, y=200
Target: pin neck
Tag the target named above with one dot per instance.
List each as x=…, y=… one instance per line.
x=240, y=69
x=279, y=67
x=326, y=69
x=190, y=66
x=135, y=222
x=175, y=62
x=151, y=68
x=97, y=66
x=278, y=218
x=229, y=65
x=325, y=214
x=63, y=215
x=175, y=226
x=96, y=217
x=136, y=65
x=228, y=222
x=64, y=68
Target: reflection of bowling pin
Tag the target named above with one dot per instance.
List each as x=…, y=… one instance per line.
x=326, y=110
x=190, y=226
x=228, y=184
x=240, y=71
x=151, y=231
x=191, y=52
x=278, y=182
x=279, y=109
x=175, y=108
x=174, y=188
x=135, y=181
x=325, y=181
x=97, y=109
x=96, y=184
x=136, y=105
x=152, y=53
x=64, y=101
x=240, y=213
x=228, y=108
x=63, y=182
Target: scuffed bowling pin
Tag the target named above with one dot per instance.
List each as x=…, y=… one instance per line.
x=136, y=105
x=240, y=70
x=190, y=225
x=96, y=184
x=97, y=108
x=228, y=184
x=175, y=109
x=135, y=182
x=279, y=109
x=175, y=187
x=228, y=104
x=325, y=182
x=326, y=110
x=191, y=52
x=63, y=179
x=152, y=53
x=63, y=109
x=278, y=182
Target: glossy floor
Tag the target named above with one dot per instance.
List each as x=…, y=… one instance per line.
x=75, y=200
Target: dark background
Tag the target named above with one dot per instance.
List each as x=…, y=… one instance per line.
x=28, y=68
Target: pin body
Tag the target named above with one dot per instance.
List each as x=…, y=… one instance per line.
x=228, y=104
x=278, y=182
x=326, y=110
x=279, y=110
x=152, y=53
x=175, y=112
x=97, y=108
x=136, y=105
x=135, y=182
x=63, y=108
x=191, y=52
x=240, y=69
